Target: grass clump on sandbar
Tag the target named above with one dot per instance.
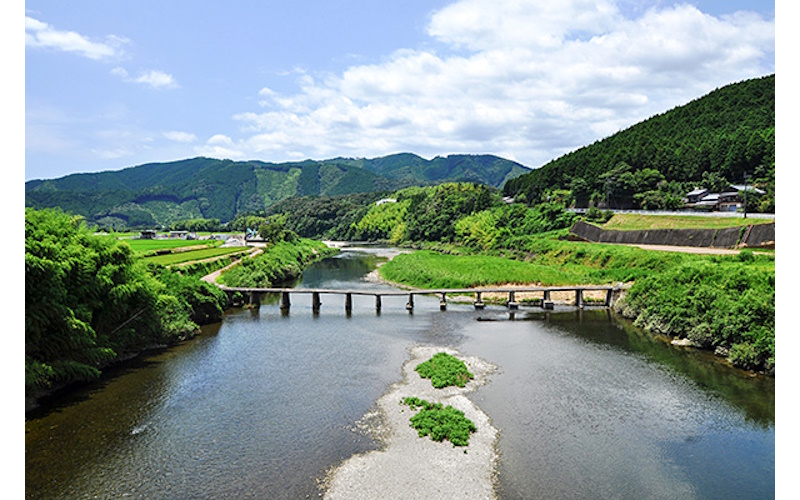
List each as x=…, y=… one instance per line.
x=444, y=370
x=440, y=422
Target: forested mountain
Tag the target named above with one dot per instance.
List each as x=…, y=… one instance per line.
x=158, y=194
x=484, y=169
x=710, y=142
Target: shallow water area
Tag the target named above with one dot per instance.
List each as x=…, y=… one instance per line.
x=263, y=404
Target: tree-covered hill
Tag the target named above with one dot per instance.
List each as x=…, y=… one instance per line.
x=158, y=194
x=710, y=142
x=484, y=169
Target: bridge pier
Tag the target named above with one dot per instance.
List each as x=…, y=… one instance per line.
x=579, y=298
x=348, y=302
x=546, y=302
x=377, y=302
x=410, y=303
x=315, y=302
x=512, y=304
x=285, y=303
x=608, y=297
x=478, y=302
x=255, y=299
x=443, y=302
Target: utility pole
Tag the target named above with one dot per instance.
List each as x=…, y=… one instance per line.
x=745, y=195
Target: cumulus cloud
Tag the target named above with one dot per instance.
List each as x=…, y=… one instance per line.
x=39, y=34
x=529, y=80
x=152, y=78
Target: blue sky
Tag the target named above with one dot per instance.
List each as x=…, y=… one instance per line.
x=115, y=84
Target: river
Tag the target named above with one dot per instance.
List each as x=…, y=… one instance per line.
x=264, y=403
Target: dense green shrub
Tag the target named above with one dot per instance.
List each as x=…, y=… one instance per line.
x=506, y=225
x=440, y=422
x=206, y=302
x=724, y=303
x=594, y=214
x=88, y=299
x=444, y=370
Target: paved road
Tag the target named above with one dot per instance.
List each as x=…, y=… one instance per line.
x=700, y=250
x=212, y=278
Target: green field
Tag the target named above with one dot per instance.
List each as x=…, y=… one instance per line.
x=171, y=259
x=144, y=247
x=635, y=222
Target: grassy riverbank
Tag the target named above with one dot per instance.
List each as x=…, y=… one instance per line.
x=278, y=263
x=725, y=303
x=544, y=260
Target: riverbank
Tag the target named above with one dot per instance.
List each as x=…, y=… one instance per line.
x=409, y=466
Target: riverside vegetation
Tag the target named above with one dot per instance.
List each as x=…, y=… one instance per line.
x=91, y=300
x=444, y=370
x=439, y=421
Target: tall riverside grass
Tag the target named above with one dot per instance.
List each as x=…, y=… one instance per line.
x=428, y=269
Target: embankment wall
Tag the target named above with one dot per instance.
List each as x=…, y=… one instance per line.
x=752, y=236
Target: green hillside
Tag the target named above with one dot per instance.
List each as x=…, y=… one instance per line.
x=158, y=194
x=709, y=142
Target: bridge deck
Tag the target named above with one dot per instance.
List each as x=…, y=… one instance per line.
x=421, y=291
x=545, y=302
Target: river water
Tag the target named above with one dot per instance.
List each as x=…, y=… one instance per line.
x=263, y=404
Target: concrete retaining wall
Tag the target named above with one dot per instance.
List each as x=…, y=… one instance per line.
x=758, y=235
x=761, y=235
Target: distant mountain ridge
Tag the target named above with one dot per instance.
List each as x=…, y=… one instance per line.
x=157, y=194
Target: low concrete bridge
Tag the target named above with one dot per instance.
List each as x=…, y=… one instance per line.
x=612, y=293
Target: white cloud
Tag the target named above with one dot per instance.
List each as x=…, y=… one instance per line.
x=41, y=35
x=529, y=79
x=220, y=146
x=153, y=78
x=177, y=136
x=481, y=25
x=157, y=79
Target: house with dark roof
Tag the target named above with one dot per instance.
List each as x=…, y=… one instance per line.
x=696, y=195
x=729, y=200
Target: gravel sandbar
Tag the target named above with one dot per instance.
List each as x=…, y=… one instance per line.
x=409, y=466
